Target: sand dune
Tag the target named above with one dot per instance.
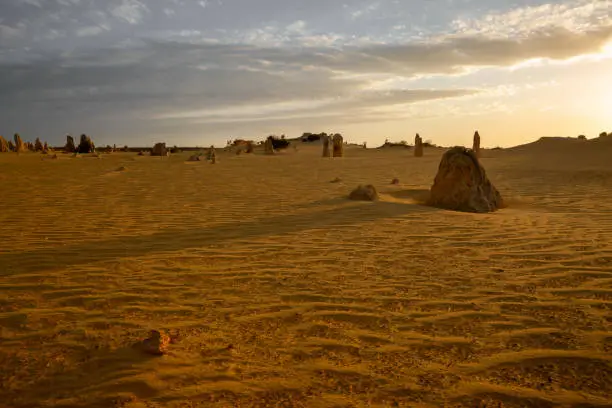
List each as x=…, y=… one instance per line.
x=278, y=291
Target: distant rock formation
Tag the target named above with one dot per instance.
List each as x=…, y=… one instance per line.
x=159, y=150
x=364, y=193
x=38, y=146
x=326, y=151
x=312, y=137
x=86, y=145
x=210, y=153
x=69, y=147
x=241, y=146
x=11, y=146
x=279, y=144
x=476, y=144
x=4, y=147
x=462, y=184
x=403, y=144
x=45, y=148
x=418, y=146
x=337, y=145
x=19, y=145
x=269, y=146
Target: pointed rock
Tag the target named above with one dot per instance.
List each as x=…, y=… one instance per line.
x=462, y=184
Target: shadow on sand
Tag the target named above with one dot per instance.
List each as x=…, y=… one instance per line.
x=418, y=196
x=175, y=239
x=103, y=377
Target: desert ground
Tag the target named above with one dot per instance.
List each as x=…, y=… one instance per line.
x=280, y=292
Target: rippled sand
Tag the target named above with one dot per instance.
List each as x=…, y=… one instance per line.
x=278, y=291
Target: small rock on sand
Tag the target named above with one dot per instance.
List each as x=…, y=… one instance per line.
x=395, y=181
x=364, y=193
x=156, y=344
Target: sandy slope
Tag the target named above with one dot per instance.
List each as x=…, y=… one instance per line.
x=282, y=293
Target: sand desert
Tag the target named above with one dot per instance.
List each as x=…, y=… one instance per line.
x=277, y=291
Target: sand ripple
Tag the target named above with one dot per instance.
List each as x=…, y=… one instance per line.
x=281, y=293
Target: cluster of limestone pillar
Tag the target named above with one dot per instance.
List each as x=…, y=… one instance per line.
x=20, y=146
x=336, y=143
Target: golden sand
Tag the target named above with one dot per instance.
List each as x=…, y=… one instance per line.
x=278, y=291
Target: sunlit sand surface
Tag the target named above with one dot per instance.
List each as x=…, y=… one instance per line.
x=278, y=291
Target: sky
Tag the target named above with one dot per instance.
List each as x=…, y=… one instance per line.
x=198, y=72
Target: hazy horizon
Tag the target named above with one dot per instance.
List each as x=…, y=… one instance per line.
x=190, y=72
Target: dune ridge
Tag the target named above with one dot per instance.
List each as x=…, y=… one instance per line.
x=279, y=291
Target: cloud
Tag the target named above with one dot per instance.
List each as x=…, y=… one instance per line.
x=364, y=11
x=211, y=83
x=53, y=34
x=576, y=15
x=7, y=31
x=454, y=54
x=457, y=54
x=160, y=85
x=296, y=27
x=89, y=31
x=10, y=35
x=131, y=11
x=36, y=3
x=68, y=2
x=349, y=105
